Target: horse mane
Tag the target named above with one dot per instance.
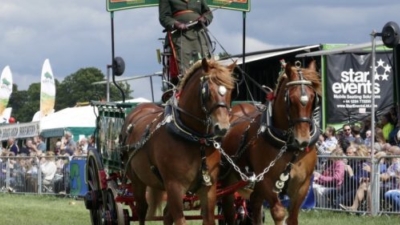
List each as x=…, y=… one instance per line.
x=308, y=74
x=217, y=73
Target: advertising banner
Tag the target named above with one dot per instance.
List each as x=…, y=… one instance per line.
x=349, y=88
x=6, y=85
x=47, y=90
x=115, y=5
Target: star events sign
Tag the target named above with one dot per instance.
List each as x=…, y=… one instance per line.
x=349, y=87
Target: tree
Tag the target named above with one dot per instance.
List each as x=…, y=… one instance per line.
x=25, y=103
x=78, y=87
x=75, y=88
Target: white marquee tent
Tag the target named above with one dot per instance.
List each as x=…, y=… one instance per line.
x=78, y=120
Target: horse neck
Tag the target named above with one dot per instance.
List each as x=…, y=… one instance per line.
x=189, y=101
x=280, y=109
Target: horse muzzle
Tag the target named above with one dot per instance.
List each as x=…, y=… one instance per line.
x=221, y=129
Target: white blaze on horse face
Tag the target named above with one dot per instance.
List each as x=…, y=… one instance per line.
x=222, y=90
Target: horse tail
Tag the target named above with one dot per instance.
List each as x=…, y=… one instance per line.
x=154, y=200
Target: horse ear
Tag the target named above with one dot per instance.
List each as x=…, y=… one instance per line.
x=232, y=66
x=204, y=64
x=312, y=65
x=288, y=69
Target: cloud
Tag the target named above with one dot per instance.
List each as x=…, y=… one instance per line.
x=77, y=34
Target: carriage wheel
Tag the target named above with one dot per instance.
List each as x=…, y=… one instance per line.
x=94, y=196
x=112, y=208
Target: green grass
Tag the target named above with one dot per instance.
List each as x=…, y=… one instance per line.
x=43, y=210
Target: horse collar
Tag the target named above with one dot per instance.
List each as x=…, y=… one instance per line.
x=175, y=126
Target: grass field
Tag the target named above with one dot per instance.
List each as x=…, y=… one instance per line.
x=43, y=210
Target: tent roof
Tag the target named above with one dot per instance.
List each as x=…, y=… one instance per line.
x=364, y=47
x=84, y=116
x=250, y=57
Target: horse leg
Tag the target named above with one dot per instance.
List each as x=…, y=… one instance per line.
x=227, y=202
x=167, y=216
x=228, y=209
x=175, y=203
x=207, y=197
x=265, y=191
x=256, y=207
x=139, y=194
x=296, y=200
x=297, y=191
x=154, y=200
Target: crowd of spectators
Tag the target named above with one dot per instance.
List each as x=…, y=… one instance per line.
x=20, y=165
x=342, y=179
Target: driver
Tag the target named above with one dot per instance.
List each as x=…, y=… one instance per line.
x=188, y=43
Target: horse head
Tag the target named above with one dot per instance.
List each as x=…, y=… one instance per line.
x=298, y=96
x=205, y=97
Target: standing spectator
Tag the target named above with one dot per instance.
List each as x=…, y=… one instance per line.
x=83, y=146
x=393, y=137
x=91, y=143
x=387, y=126
x=68, y=145
x=347, y=135
x=40, y=144
x=30, y=148
x=379, y=137
x=57, y=149
x=12, y=146
x=357, y=137
x=365, y=127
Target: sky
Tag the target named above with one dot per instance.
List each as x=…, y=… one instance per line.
x=76, y=34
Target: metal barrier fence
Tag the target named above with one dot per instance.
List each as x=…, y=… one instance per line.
x=360, y=192
x=24, y=174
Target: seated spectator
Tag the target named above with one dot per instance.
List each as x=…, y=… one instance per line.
x=330, y=179
x=62, y=185
x=31, y=175
x=48, y=167
x=391, y=184
x=327, y=142
x=12, y=146
x=357, y=137
x=364, y=186
x=355, y=174
x=11, y=181
x=367, y=140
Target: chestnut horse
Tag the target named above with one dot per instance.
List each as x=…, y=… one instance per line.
x=172, y=149
x=275, y=142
